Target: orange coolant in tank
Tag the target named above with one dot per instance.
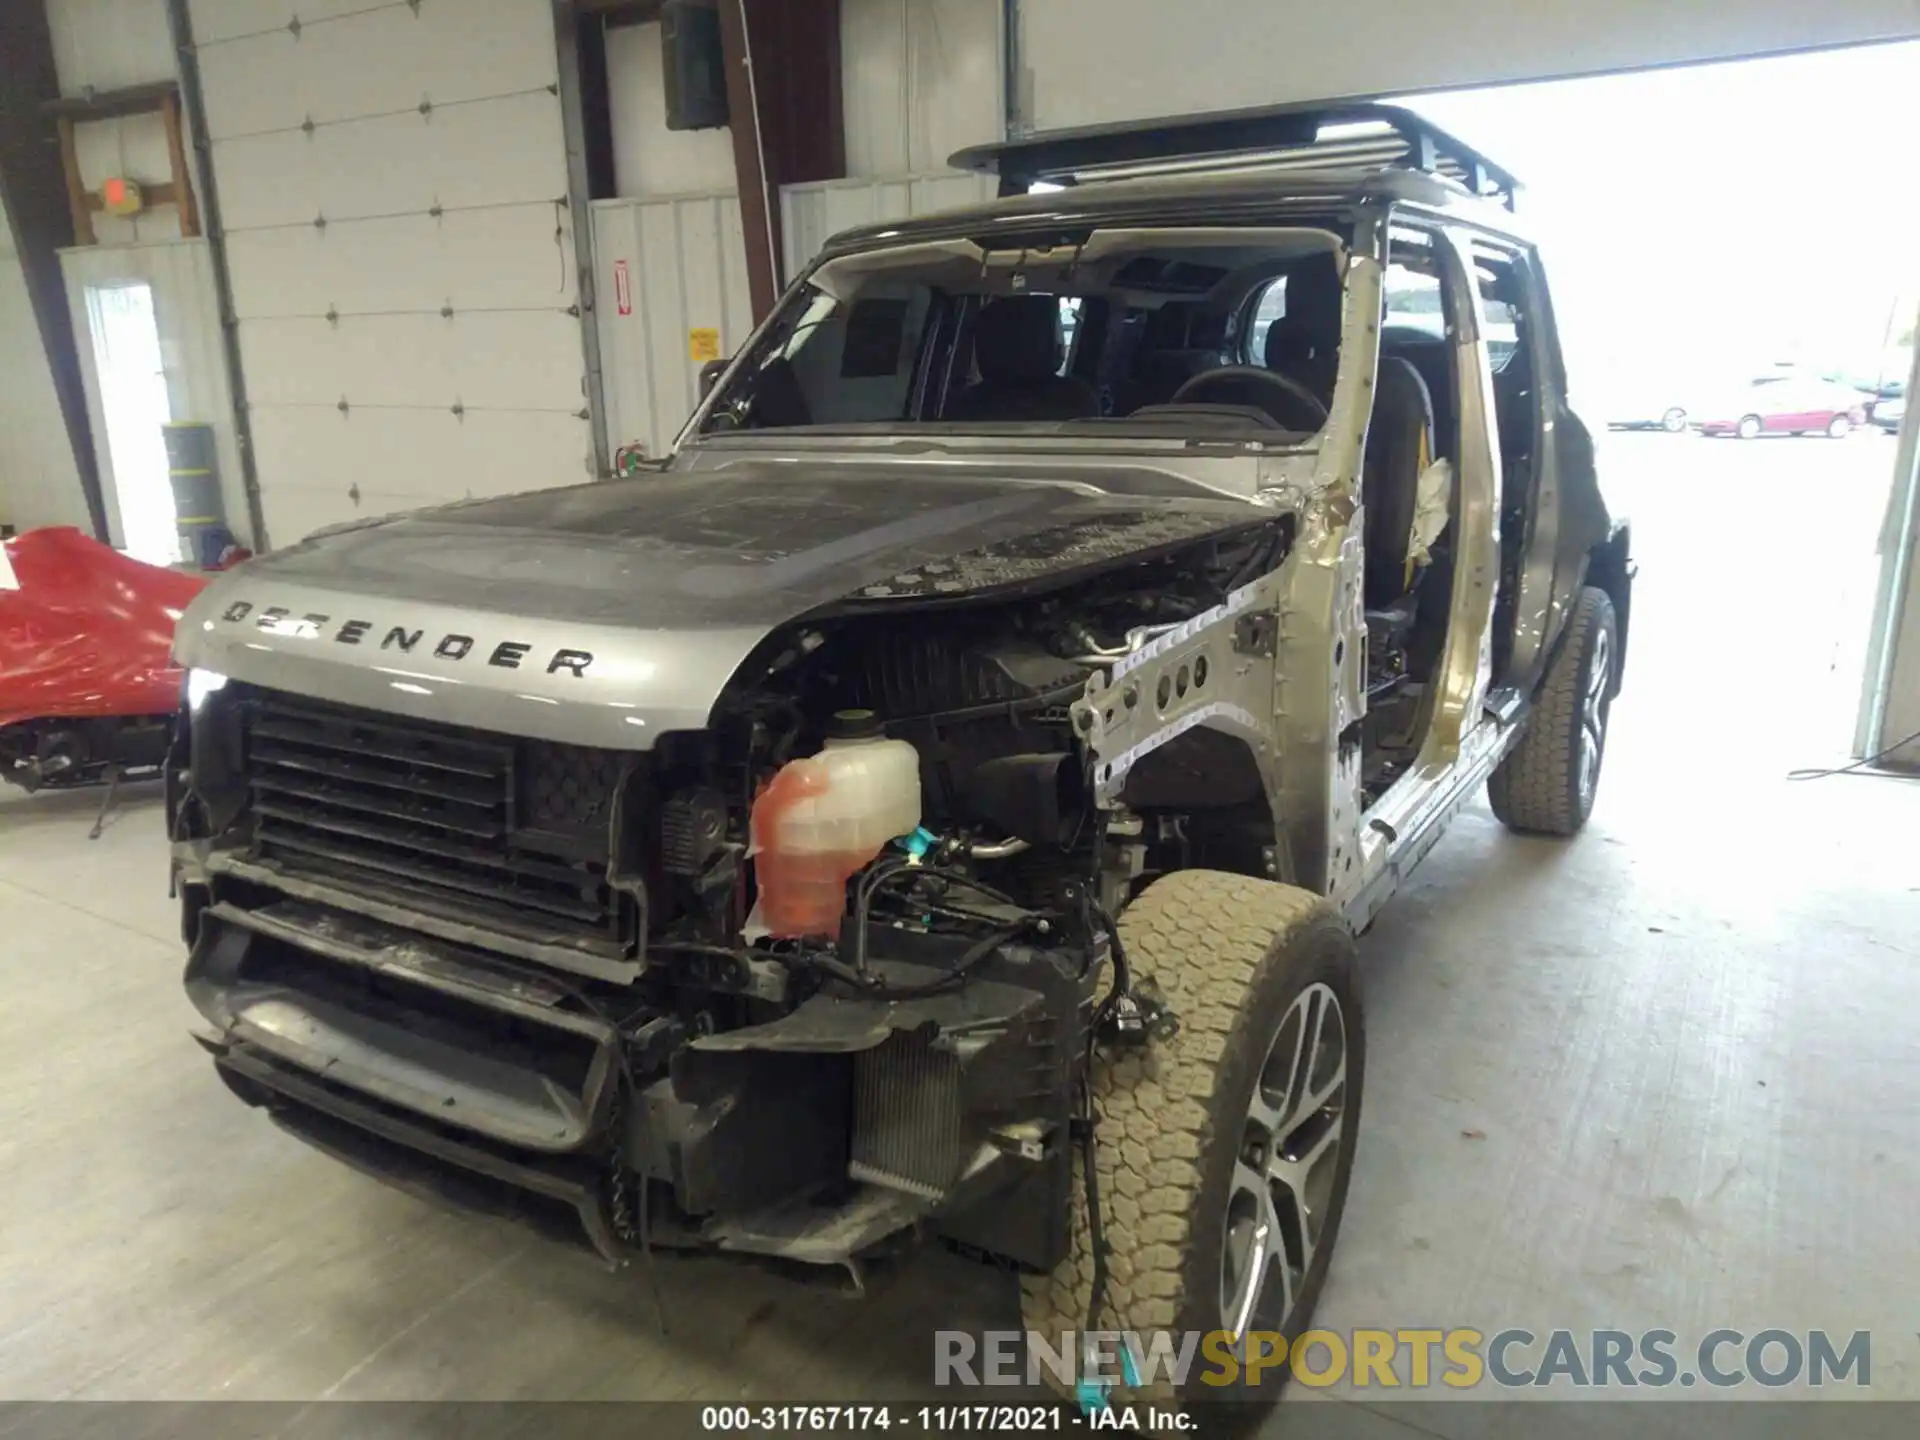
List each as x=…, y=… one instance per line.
x=821, y=819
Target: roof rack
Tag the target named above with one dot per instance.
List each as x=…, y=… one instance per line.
x=1343, y=135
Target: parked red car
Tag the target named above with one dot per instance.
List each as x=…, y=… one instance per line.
x=1788, y=405
x=87, y=686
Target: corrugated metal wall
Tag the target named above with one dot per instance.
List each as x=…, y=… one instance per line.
x=648, y=158
x=670, y=258
x=187, y=312
x=684, y=260
x=685, y=285
x=393, y=181
x=810, y=214
x=919, y=80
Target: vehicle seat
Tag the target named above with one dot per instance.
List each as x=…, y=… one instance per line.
x=1175, y=347
x=1399, y=449
x=778, y=400
x=1432, y=357
x=1304, y=343
x=1016, y=347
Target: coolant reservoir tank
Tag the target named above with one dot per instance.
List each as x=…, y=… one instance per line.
x=823, y=818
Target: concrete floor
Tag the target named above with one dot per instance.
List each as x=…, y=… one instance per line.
x=1664, y=1075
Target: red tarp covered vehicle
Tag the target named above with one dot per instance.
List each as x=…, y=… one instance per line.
x=87, y=684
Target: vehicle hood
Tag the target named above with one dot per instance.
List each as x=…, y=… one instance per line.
x=608, y=613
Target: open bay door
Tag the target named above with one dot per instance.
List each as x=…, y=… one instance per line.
x=392, y=183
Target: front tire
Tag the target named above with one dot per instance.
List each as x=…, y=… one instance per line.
x=1674, y=421
x=1839, y=427
x=1546, y=784
x=1750, y=427
x=1223, y=1162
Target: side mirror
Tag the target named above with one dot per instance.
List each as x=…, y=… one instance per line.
x=710, y=374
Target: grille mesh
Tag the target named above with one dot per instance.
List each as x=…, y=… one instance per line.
x=484, y=826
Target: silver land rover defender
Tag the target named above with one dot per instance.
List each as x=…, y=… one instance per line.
x=1211, y=522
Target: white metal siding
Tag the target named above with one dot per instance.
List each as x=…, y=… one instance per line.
x=109, y=45
x=1091, y=61
x=812, y=213
x=686, y=262
x=919, y=80
x=393, y=189
x=187, y=312
x=39, y=484
x=648, y=158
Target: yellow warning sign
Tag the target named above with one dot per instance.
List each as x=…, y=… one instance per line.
x=703, y=345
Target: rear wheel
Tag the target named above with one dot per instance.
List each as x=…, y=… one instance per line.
x=1750, y=427
x=1839, y=427
x=1224, y=1154
x=1674, y=421
x=1546, y=784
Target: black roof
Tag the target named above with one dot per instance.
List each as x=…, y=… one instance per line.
x=1351, y=135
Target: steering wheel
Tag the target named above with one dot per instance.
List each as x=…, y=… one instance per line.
x=1281, y=396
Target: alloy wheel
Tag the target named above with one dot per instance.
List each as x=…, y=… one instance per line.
x=1282, y=1187
x=1593, y=714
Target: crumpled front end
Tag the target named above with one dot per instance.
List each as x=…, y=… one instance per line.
x=462, y=821
x=425, y=950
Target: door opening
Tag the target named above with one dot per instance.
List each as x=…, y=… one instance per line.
x=134, y=408
x=1741, y=350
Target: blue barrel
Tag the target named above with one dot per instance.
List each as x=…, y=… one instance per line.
x=199, y=512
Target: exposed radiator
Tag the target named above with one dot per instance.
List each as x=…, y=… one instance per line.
x=907, y=1117
x=480, y=824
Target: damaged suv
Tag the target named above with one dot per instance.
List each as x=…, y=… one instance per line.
x=939, y=800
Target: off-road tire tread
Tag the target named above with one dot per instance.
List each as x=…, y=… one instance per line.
x=1535, y=789
x=1204, y=938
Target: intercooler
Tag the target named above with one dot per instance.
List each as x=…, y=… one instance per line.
x=908, y=1117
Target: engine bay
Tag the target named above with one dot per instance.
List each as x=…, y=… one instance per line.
x=562, y=970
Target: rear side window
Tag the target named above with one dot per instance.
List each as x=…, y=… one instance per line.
x=1412, y=284
x=1500, y=301
x=876, y=334
x=1414, y=327
x=1070, y=307
x=1269, y=307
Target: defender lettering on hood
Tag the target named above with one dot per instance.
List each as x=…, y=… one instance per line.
x=507, y=654
x=612, y=613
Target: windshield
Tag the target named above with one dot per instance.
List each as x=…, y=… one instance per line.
x=1219, y=331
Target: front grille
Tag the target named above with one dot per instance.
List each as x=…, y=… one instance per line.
x=483, y=827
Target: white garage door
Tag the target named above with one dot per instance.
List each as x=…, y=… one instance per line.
x=393, y=185
x=1093, y=61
